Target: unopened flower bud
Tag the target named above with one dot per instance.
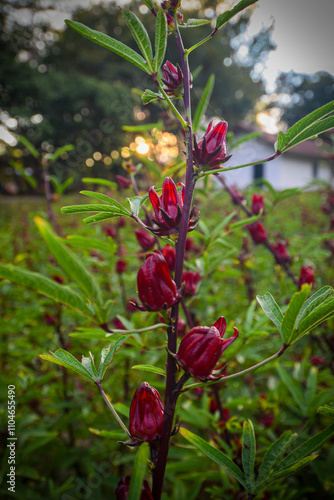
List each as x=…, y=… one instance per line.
x=201, y=348
x=121, y=266
x=191, y=279
x=145, y=240
x=170, y=255
x=123, y=182
x=280, y=252
x=306, y=275
x=156, y=289
x=146, y=413
x=257, y=232
x=210, y=151
x=123, y=488
x=173, y=77
x=257, y=204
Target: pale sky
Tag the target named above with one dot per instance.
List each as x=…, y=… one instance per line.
x=303, y=32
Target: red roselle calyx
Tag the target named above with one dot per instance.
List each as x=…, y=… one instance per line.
x=146, y=413
x=168, y=208
x=191, y=279
x=257, y=232
x=210, y=151
x=145, y=240
x=123, y=488
x=123, y=182
x=156, y=289
x=170, y=255
x=257, y=204
x=173, y=78
x=201, y=348
x=121, y=266
x=281, y=253
x=306, y=275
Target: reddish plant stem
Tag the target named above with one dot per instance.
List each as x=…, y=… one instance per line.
x=281, y=262
x=171, y=394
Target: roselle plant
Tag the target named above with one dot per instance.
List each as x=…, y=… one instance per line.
x=163, y=282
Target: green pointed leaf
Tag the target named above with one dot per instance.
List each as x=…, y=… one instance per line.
x=101, y=216
x=327, y=410
x=108, y=353
x=203, y=102
x=246, y=138
x=312, y=132
x=77, y=209
x=69, y=262
x=65, y=185
x=290, y=319
x=311, y=390
x=292, y=469
x=149, y=368
x=160, y=41
x=215, y=455
x=300, y=128
x=242, y=223
x=88, y=363
x=30, y=180
x=248, y=454
x=314, y=301
x=107, y=199
x=140, y=36
x=64, y=358
x=109, y=43
x=47, y=287
x=113, y=435
x=59, y=151
x=149, y=4
x=102, y=182
x=149, y=96
x=272, y=310
x=273, y=455
x=29, y=146
x=89, y=243
x=315, y=318
x=139, y=472
x=309, y=446
x=194, y=23
x=293, y=388
x=226, y=16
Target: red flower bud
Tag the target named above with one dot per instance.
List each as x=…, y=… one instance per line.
x=257, y=232
x=123, y=182
x=121, y=266
x=210, y=151
x=146, y=413
x=173, y=77
x=317, y=360
x=117, y=323
x=170, y=255
x=123, y=488
x=58, y=279
x=168, y=208
x=50, y=320
x=280, y=251
x=201, y=348
x=257, y=203
x=156, y=289
x=145, y=240
x=109, y=230
x=121, y=222
x=306, y=275
x=191, y=279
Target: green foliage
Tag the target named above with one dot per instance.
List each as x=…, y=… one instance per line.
x=229, y=14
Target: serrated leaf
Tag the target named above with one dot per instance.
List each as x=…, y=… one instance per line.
x=248, y=454
x=289, y=322
x=217, y=456
x=149, y=368
x=47, y=287
x=309, y=446
x=140, y=36
x=194, y=23
x=272, y=310
x=311, y=132
x=69, y=262
x=29, y=146
x=160, y=41
x=314, y=301
x=149, y=96
x=108, y=353
x=315, y=318
x=229, y=14
x=292, y=469
x=139, y=472
x=203, y=102
x=109, y=43
x=293, y=388
x=284, y=141
x=273, y=455
x=107, y=199
x=66, y=359
x=327, y=410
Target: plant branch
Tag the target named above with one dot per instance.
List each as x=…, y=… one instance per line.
x=219, y=170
